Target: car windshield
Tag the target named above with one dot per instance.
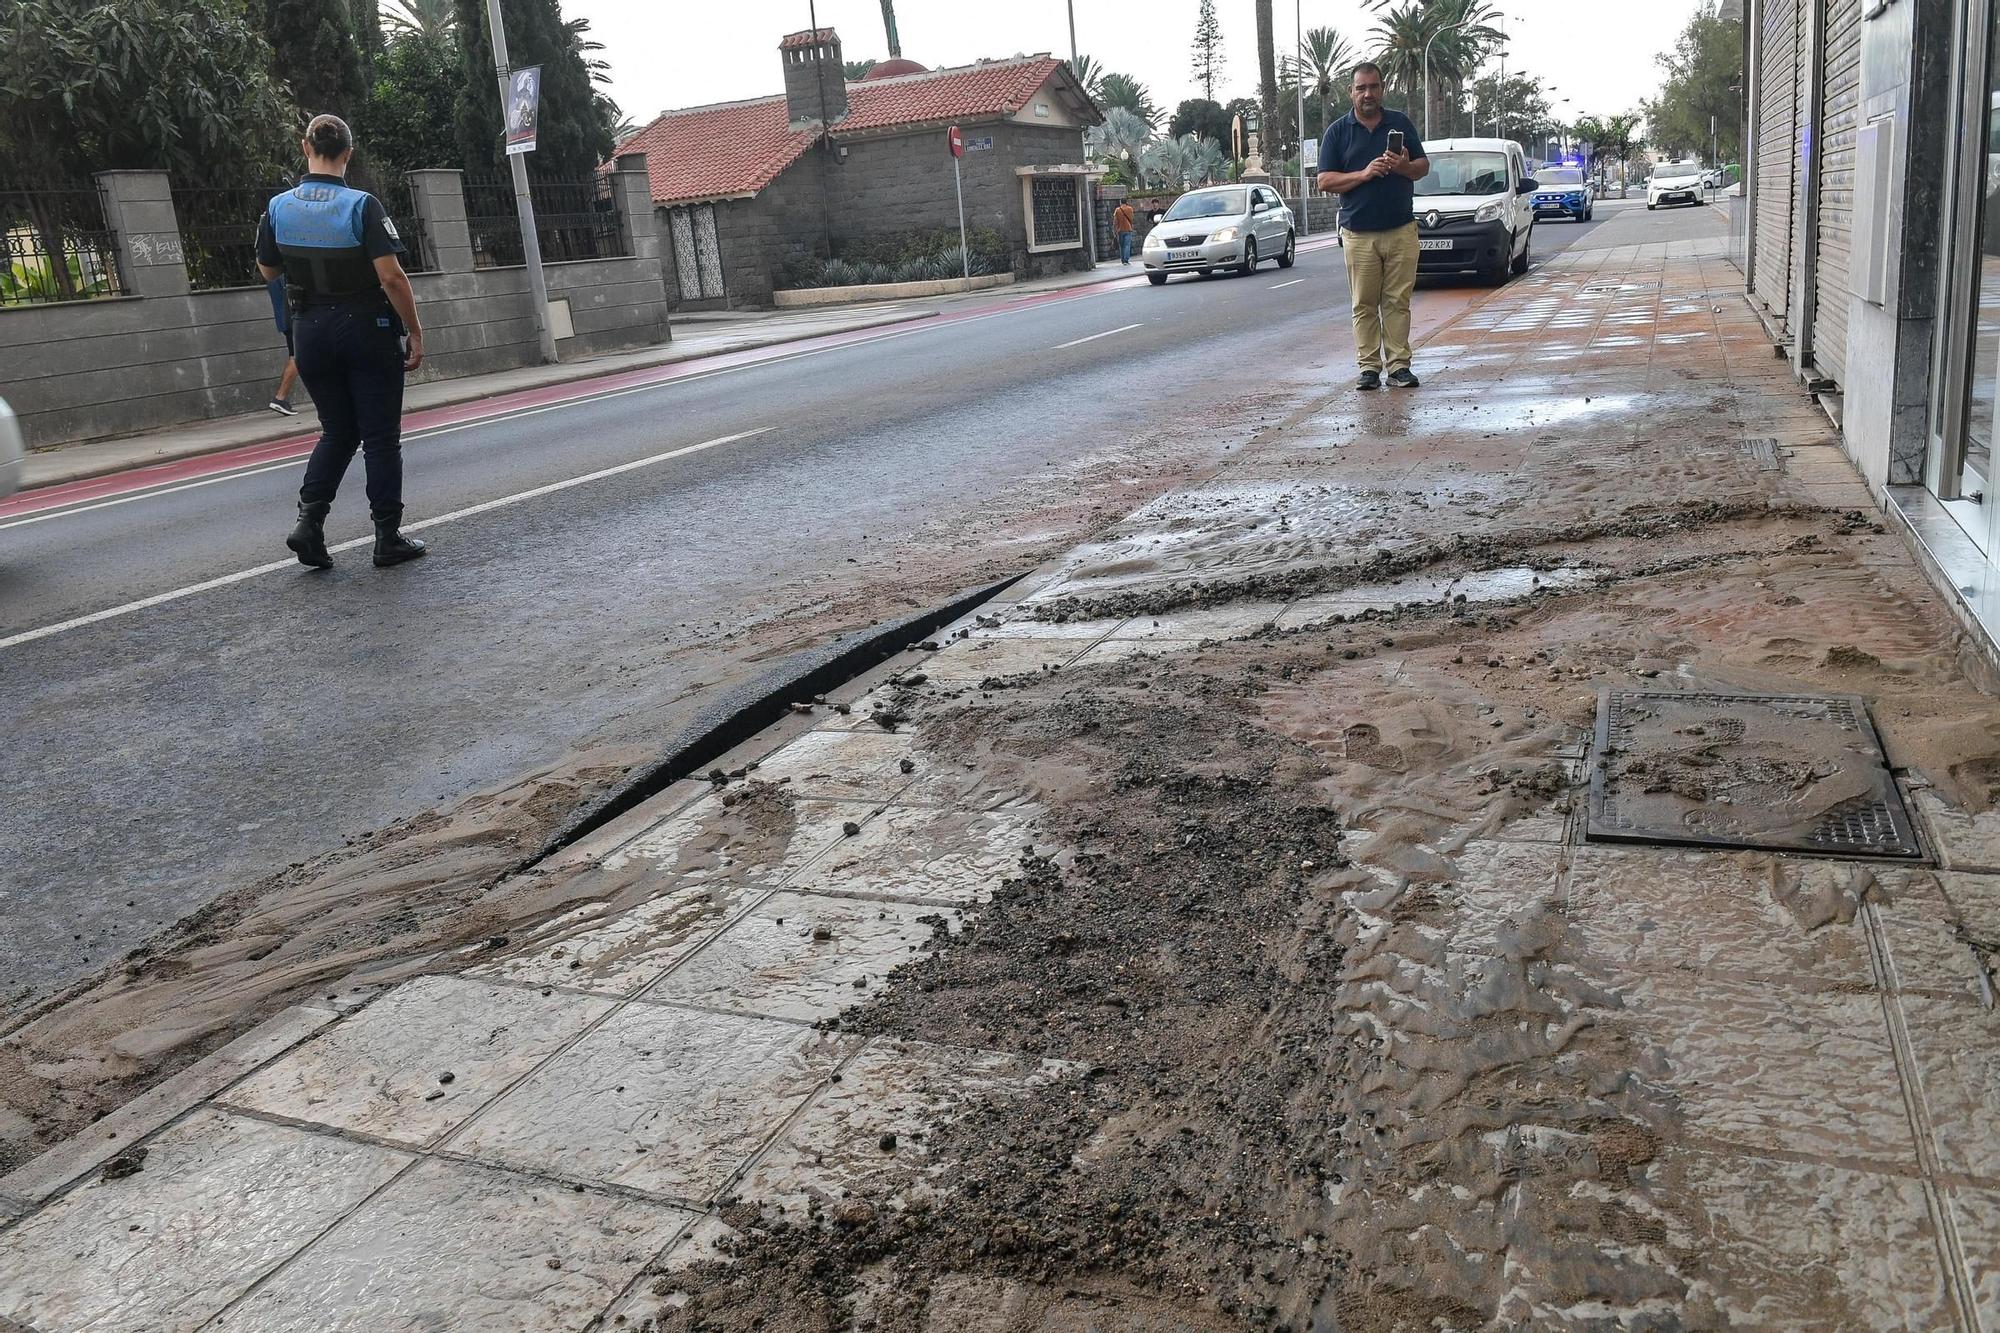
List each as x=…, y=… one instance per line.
x=1674, y=169
x=1465, y=173
x=1559, y=176
x=1206, y=204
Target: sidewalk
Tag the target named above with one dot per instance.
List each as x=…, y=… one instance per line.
x=1204, y=936
x=696, y=336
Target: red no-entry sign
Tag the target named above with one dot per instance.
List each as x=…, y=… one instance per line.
x=956, y=140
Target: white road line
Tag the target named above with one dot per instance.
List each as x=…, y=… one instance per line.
x=207, y=585
x=1078, y=342
x=1293, y=283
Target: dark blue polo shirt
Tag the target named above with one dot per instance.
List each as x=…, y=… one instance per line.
x=1382, y=204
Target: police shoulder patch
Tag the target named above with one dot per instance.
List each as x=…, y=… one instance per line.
x=389, y=225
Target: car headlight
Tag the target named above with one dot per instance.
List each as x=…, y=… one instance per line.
x=1223, y=234
x=1489, y=212
x=1154, y=242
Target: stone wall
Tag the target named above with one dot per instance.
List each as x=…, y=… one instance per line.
x=89, y=369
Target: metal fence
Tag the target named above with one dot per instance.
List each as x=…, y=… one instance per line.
x=55, y=244
x=573, y=220
x=219, y=230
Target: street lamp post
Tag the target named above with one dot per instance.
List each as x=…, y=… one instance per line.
x=1427, y=70
x=1299, y=80
x=524, y=202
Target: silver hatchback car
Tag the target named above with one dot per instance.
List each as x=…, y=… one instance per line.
x=1224, y=226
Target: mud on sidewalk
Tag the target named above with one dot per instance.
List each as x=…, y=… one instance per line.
x=1204, y=939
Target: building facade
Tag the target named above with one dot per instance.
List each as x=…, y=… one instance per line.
x=743, y=187
x=1870, y=241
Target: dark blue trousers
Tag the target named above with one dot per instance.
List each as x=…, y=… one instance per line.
x=351, y=359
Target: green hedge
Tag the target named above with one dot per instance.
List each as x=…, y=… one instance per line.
x=909, y=256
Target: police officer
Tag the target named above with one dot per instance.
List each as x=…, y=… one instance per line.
x=352, y=309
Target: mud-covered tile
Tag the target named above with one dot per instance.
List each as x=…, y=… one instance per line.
x=657, y=1291
x=608, y=951
x=1756, y=1066
x=1966, y=840
x=1957, y=1049
x=453, y=1245
x=1976, y=1212
x=219, y=1201
x=1503, y=893
x=1928, y=935
x=866, y=1137
x=666, y=1100
x=1220, y=622
x=941, y=855
x=417, y=1062
x=1808, y=1246
x=802, y=956
x=970, y=661
x=759, y=832
x=842, y=764
x=1666, y=908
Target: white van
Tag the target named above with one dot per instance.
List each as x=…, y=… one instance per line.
x=1475, y=208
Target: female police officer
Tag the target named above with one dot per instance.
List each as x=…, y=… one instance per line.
x=351, y=308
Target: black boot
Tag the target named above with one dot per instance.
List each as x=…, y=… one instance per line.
x=391, y=546
x=308, y=539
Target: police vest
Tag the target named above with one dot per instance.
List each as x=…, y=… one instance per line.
x=318, y=230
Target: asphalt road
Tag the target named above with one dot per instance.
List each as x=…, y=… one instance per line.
x=184, y=712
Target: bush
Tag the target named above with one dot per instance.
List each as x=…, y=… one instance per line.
x=906, y=257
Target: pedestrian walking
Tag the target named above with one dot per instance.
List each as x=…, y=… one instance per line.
x=1122, y=226
x=1373, y=159
x=355, y=334
x=281, y=401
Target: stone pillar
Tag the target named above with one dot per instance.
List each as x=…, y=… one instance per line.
x=632, y=195
x=139, y=210
x=438, y=195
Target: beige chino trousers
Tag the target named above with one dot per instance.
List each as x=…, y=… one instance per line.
x=1381, y=274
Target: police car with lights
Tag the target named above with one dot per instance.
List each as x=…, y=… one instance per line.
x=1564, y=192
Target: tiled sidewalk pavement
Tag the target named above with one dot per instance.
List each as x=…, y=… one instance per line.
x=526, y=1143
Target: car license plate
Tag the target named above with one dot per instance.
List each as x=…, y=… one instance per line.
x=1183, y=254
x=1433, y=245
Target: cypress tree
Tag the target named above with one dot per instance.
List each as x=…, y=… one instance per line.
x=573, y=132
x=317, y=51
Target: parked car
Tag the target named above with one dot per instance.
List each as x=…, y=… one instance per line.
x=11, y=451
x=1714, y=178
x=1564, y=192
x=1674, y=183
x=1475, y=210
x=1224, y=226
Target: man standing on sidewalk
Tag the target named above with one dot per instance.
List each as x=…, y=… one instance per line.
x=1373, y=159
x=1121, y=227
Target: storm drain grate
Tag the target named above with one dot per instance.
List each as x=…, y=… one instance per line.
x=1763, y=451
x=1776, y=772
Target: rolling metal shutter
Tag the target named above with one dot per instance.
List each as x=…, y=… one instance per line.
x=1839, y=127
x=1777, y=163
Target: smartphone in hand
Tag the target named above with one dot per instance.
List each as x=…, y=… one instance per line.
x=1395, y=141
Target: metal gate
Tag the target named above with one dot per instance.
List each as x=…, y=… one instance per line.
x=1777, y=165
x=1839, y=128
x=697, y=252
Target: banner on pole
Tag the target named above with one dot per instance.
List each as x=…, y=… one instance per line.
x=1309, y=155
x=524, y=97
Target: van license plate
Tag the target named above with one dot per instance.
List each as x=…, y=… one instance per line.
x=1433, y=245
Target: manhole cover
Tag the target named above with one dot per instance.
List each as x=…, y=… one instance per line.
x=1780, y=772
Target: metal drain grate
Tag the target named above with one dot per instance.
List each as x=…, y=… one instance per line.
x=1777, y=772
x=1763, y=451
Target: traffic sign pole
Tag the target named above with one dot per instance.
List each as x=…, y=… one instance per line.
x=956, y=142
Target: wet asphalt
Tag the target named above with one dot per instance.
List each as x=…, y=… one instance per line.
x=159, y=758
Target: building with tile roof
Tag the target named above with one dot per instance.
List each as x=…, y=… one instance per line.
x=828, y=166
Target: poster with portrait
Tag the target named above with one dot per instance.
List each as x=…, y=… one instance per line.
x=524, y=96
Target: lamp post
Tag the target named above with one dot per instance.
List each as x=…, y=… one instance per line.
x=1299, y=82
x=1427, y=70
x=524, y=202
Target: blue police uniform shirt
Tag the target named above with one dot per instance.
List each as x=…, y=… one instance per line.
x=321, y=213
x=1384, y=203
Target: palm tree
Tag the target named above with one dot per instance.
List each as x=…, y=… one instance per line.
x=1267, y=71
x=1126, y=91
x=1209, y=160
x=580, y=42
x=1170, y=162
x=889, y=26
x=429, y=19
x=1325, y=67
x=854, y=71
x=1122, y=134
x=1454, y=32
x=1089, y=76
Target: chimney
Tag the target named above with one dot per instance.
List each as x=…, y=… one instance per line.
x=815, y=85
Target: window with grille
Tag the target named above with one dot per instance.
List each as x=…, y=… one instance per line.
x=1054, y=218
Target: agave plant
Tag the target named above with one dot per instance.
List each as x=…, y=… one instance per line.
x=840, y=273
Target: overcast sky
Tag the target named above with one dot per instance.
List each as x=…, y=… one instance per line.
x=675, y=53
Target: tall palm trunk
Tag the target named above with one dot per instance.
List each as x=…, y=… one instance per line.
x=1267, y=70
x=889, y=28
